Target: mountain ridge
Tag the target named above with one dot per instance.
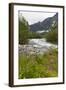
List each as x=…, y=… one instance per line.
x=45, y=24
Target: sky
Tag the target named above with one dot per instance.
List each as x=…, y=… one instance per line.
x=34, y=17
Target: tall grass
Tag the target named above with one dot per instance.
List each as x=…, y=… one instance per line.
x=39, y=66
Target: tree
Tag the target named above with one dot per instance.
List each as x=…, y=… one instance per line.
x=52, y=35
x=23, y=31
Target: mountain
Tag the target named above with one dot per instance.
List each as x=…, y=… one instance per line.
x=45, y=24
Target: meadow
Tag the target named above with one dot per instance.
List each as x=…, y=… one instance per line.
x=39, y=66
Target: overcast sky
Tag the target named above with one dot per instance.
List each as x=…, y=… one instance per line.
x=34, y=17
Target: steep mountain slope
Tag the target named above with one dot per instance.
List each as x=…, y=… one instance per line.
x=45, y=24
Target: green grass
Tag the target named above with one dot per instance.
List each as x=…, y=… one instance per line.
x=39, y=66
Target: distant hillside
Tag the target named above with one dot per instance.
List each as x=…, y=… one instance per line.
x=45, y=24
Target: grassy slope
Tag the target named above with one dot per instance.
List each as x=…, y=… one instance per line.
x=39, y=66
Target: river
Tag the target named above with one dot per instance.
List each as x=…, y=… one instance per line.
x=36, y=46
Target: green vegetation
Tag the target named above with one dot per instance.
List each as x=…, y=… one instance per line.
x=52, y=35
x=34, y=35
x=23, y=31
x=39, y=66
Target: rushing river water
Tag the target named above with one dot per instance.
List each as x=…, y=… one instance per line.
x=36, y=46
x=41, y=43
